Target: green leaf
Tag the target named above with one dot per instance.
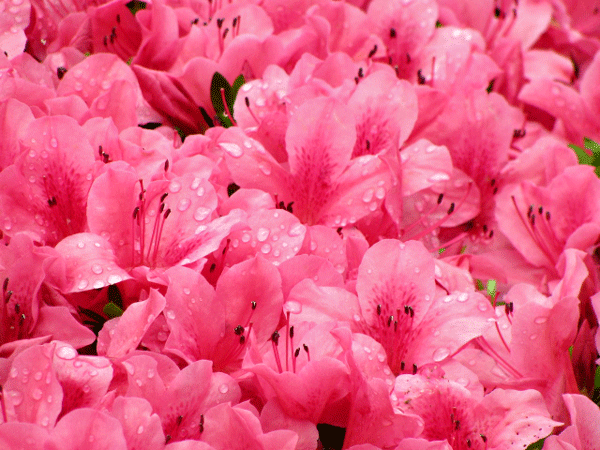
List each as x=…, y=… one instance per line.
x=589, y=154
x=112, y=310
x=237, y=84
x=135, y=6
x=491, y=289
x=537, y=445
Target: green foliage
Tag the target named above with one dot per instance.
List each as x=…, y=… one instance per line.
x=491, y=289
x=135, y=6
x=584, y=156
x=230, y=91
x=111, y=310
x=537, y=445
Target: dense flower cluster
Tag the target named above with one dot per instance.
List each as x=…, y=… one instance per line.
x=262, y=224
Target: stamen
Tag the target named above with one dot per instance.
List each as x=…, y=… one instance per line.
x=201, y=424
x=247, y=101
x=275, y=342
x=307, y=352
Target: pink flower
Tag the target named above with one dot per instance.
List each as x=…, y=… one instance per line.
x=583, y=432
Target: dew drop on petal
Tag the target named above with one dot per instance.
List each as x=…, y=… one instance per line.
x=231, y=149
x=482, y=306
x=97, y=268
x=540, y=320
x=201, y=213
x=186, y=291
x=440, y=354
x=367, y=196
x=184, y=204
x=16, y=397
x=462, y=297
x=53, y=142
x=66, y=353
x=265, y=168
x=170, y=314
x=37, y=376
x=223, y=389
x=36, y=394
x=262, y=234
x=296, y=229
x=265, y=249
x=140, y=429
x=175, y=186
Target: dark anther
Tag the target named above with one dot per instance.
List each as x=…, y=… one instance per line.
x=5, y=285
x=490, y=86
x=166, y=165
x=17, y=308
x=451, y=209
x=225, y=33
x=392, y=32
x=305, y=347
x=195, y=21
x=485, y=228
x=395, y=325
x=201, y=424
x=179, y=420
x=52, y=201
x=356, y=80
x=339, y=231
x=167, y=438
x=291, y=332
x=438, y=24
x=105, y=41
x=495, y=191
x=397, y=70
x=420, y=77
x=234, y=23
x=253, y=304
x=540, y=210
x=456, y=424
x=118, y=18
x=378, y=310
x=8, y=296
x=469, y=443
x=162, y=197
x=242, y=339
x=497, y=11
x=213, y=266
x=440, y=198
x=408, y=59
x=167, y=213
x=414, y=369
x=373, y=51
x=220, y=22
x=360, y=72
x=275, y=337
x=113, y=32
x=532, y=220
x=390, y=320
x=368, y=144
x=492, y=234
x=483, y=438
x=402, y=365
x=530, y=211
x=297, y=352
x=238, y=330
x=136, y=211
x=493, y=182
x=60, y=72
x=547, y=215
x=247, y=101
x=288, y=208
x=519, y=133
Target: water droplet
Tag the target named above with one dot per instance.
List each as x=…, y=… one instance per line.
x=262, y=234
x=265, y=249
x=438, y=177
x=150, y=374
x=381, y=357
x=38, y=376
x=66, y=353
x=98, y=284
x=16, y=398
x=440, y=354
x=53, y=143
x=368, y=195
x=201, y=213
x=223, y=389
x=265, y=168
x=448, y=298
x=170, y=314
x=140, y=429
x=231, y=149
x=175, y=186
x=246, y=238
x=483, y=306
x=80, y=244
x=114, y=279
x=105, y=85
x=417, y=270
x=186, y=291
x=97, y=268
x=540, y=320
x=296, y=229
x=313, y=246
x=184, y=204
x=533, y=337
x=462, y=297
x=372, y=206
x=36, y=394
x=356, y=318
x=380, y=193
x=161, y=336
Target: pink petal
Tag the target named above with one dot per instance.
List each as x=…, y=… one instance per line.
x=87, y=428
x=33, y=393
x=141, y=428
x=90, y=263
